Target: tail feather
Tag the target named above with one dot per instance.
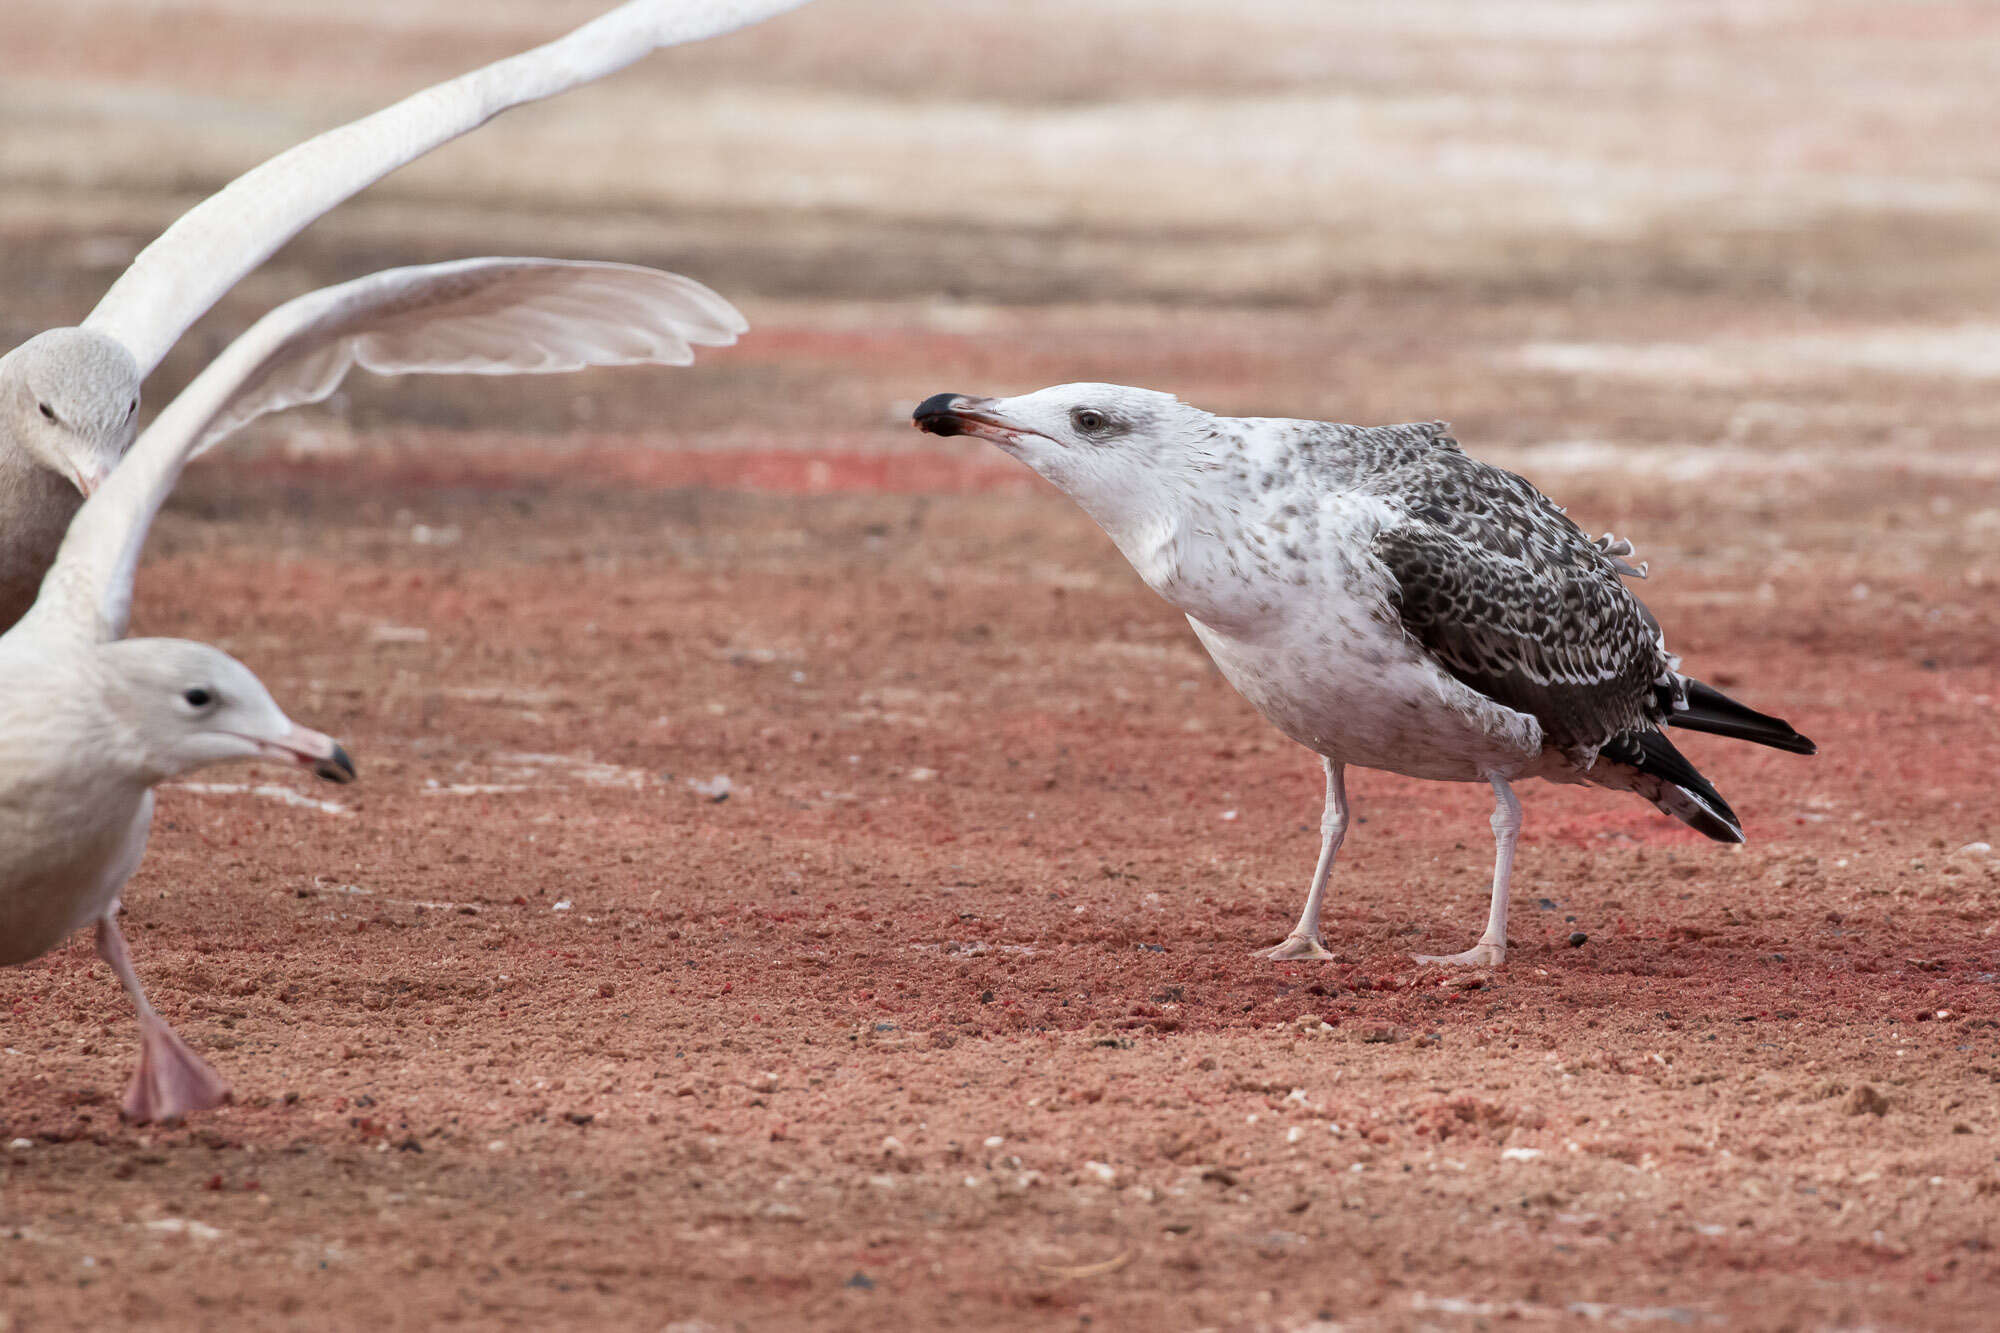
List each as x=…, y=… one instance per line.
x=1647, y=763
x=1709, y=709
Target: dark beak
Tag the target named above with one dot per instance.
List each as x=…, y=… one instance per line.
x=336, y=767
x=956, y=414
x=939, y=414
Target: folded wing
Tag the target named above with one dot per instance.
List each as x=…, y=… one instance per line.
x=1561, y=640
x=175, y=280
x=479, y=316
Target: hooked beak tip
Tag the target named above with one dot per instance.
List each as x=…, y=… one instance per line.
x=319, y=754
x=938, y=414
x=336, y=767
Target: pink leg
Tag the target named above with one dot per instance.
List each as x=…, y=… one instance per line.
x=1491, y=951
x=1305, y=940
x=171, y=1079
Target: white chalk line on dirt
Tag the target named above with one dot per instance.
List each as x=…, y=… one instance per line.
x=1968, y=350
x=356, y=891
x=266, y=791
x=538, y=769
x=1424, y=1303
x=1701, y=462
x=582, y=768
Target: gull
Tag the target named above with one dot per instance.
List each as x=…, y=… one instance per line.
x=91, y=721
x=69, y=398
x=1385, y=600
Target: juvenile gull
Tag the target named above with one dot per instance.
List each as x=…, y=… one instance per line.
x=1386, y=601
x=91, y=721
x=69, y=398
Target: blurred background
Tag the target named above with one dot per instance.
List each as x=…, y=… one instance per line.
x=1705, y=225
x=1719, y=275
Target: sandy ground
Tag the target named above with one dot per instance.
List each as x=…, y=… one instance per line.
x=947, y=1011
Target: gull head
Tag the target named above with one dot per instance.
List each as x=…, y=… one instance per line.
x=1112, y=448
x=188, y=705
x=70, y=398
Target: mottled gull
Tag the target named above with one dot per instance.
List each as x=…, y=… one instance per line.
x=1386, y=601
x=91, y=721
x=69, y=398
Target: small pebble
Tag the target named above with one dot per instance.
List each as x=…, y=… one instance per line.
x=1578, y=939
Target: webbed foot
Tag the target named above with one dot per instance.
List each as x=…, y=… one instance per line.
x=1296, y=946
x=1479, y=955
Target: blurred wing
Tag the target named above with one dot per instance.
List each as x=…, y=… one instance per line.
x=178, y=277
x=481, y=316
x=489, y=317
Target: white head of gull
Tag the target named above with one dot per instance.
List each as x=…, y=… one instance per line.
x=69, y=397
x=91, y=721
x=1387, y=601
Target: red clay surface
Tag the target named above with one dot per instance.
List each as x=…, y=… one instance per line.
x=947, y=1015
x=947, y=1012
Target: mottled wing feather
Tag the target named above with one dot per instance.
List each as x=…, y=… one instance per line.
x=1515, y=601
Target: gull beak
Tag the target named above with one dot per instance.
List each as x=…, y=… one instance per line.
x=940, y=414
x=956, y=414
x=90, y=476
x=312, y=750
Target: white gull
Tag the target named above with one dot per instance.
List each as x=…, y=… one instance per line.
x=91, y=721
x=1387, y=601
x=69, y=398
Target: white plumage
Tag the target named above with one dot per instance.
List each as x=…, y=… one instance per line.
x=69, y=397
x=91, y=721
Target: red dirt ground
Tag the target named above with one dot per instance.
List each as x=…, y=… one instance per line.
x=947, y=1015
x=947, y=1012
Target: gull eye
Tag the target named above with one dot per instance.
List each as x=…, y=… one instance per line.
x=1088, y=420
x=48, y=413
x=198, y=697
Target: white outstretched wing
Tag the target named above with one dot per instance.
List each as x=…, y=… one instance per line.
x=487, y=317
x=175, y=280
x=479, y=316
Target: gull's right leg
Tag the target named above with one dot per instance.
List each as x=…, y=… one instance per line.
x=1491, y=951
x=171, y=1079
x=1305, y=941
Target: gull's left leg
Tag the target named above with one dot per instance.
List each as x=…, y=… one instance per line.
x=171, y=1079
x=1491, y=950
x=1305, y=941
